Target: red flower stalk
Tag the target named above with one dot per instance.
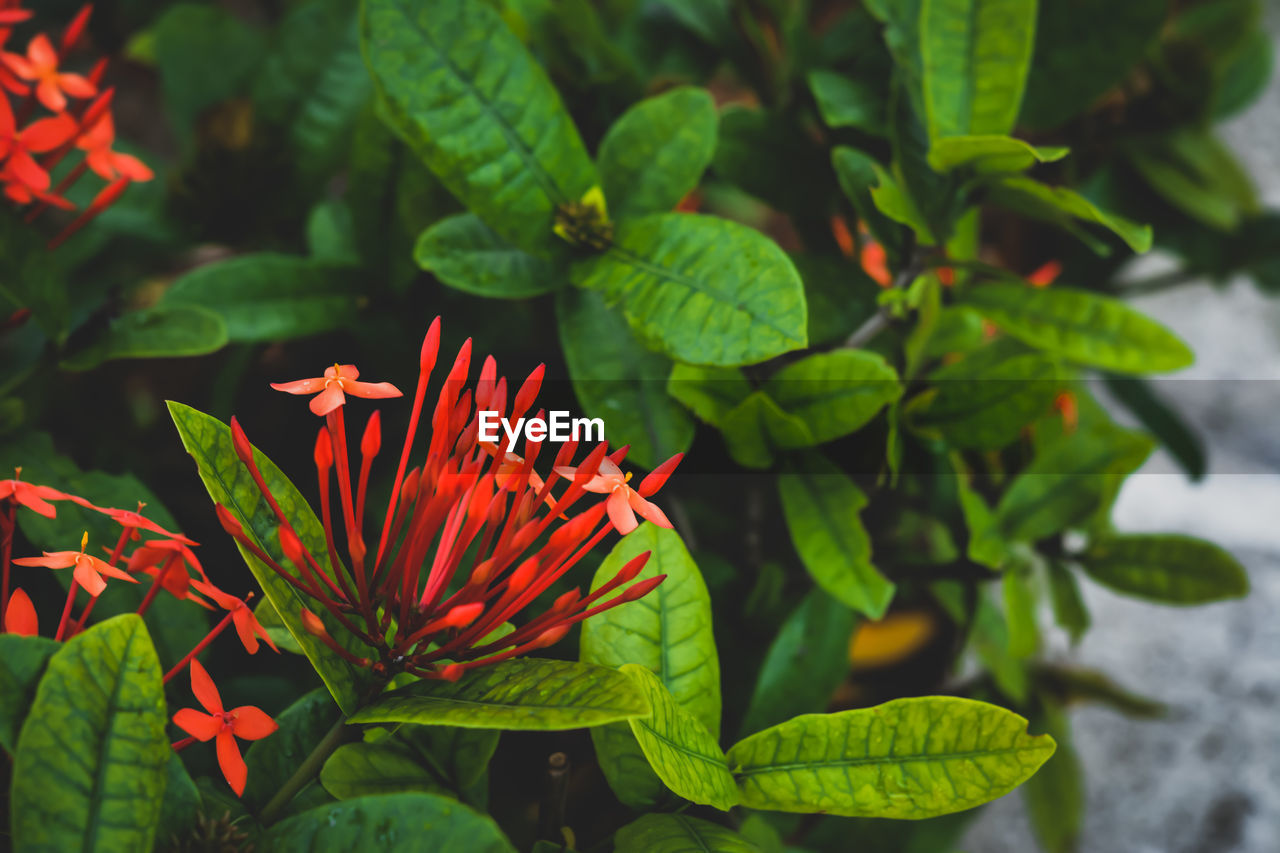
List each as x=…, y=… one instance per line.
x=222, y=726
x=469, y=538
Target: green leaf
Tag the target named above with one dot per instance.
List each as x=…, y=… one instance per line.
x=821, y=505
x=22, y=663
x=704, y=290
x=1161, y=420
x=465, y=253
x=162, y=331
x=269, y=297
x=653, y=155
x=1068, y=482
x=395, y=823
x=229, y=483
x=975, y=55
x=181, y=806
x=1069, y=609
x=680, y=749
x=1168, y=568
x=1020, y=610
x=805, y=664
x=845, y=102
x=619, y=381
x=1071, y=685
x=1055, y=796
x=753, y=141
x=711, y=393
x=986, y=546
x=313, y=84
x=331, y=234
x=758, y=427
x=1061, y=206
x=526, y=694
x=89, y=772
x=461, y=755
x=668, y=631
x=678, y=833
x=834, y=393
x=840, y=296
x=273, y=760
x=364, y=769
x=985, y=405
x=468, y=98
x=1077, y=61
x=268, y=618
x=875, y=196
x=1084, y=327
x=1199, y=176
x=32, y=279
x=908, y=758
x=990, y=153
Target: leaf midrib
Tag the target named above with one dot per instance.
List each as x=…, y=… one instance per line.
x=888, y=759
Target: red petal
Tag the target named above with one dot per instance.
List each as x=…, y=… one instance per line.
x=620, y=514
x=252, y=723
x=649, y=511
x=300, y=386
x=20, y=615
x=48, y=133
x=327, y=400
x=89, y=579
x=371, y=390
x=131, y=167
x=51, y=96
x=76, y=86
x=658, y=476
x=200, y=726
x=202, y=687
x=32, y=501
x=50, y=560
x=19, y=65
x=41, y=53
x=27, y=171
x=231, y=761
x=244, y=629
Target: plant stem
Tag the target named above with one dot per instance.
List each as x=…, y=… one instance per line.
x=200, y=646
x=306, y=771
x=7, y=532
x=879, y=321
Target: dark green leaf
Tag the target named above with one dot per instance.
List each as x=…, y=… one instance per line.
x=1055, y=795
x=1168, y=568
x=395, y=823
x=975, y=54
x=839, y=294
x=657, y=151
x=527, y=694
x=821, y=505
x=331, y=234
x=32, y=279
x=678, y=833
x=1137, y=395
x=89, y=772
x=269, y=297
x=758, y=427
x=711, y=393
x=704, y=290
x=1081, y=326
x=859, y=177
x=274, y=759
x=1069, y=609
x=182, y=804
x=986, y=406
x=365, y=769
x=834, y=393
x=162, y=331
x=22, y=663
x=229, y=483
x=990, y=153
x=465, y=94
x=1071, y=684
x=1198, y=175
x=465, y=253
x=678, y=746
x=845, y=102
x=619, y=381
x=1062, y=207
x=805, y=663
x=908, y=758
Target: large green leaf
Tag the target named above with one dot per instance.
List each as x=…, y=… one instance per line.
x=89, y=772
x=1166, y=567
x=363, y=769
x=162, y=331
x=1085, y=327
x=758, y=427
x=1197, y=174
x=834, y=393
x=396, y=823
x=22, y=663
x=1160, y=419
x=1076, y=60
x=465, y=94
x=668, y=631
x=679, y=748
x=678, y=833
x=1055, y=796
x=620, y=381
x=805, y=663
x=711, y=393
x=975, y=56
x=268, y=297
x=273, y=760
x=465, y=253
x=986, y=406
x=1062, y=207
x=229, y=483
x=821, y=505
x=527, y=694
x=657, y=151
x=846, y=102
x=1069, y=481
x=908, y=758
x=704, y=290
x=989, y=153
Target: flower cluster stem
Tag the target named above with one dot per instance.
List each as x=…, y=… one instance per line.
x=307, y=770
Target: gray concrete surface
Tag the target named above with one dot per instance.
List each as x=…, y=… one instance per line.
x=1207, y=779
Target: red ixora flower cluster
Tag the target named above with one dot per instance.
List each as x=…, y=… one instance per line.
x=143, y=549
x=411, y=600
x=47, y=113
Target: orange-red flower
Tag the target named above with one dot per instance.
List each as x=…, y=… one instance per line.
x=875, y=263
x=624, y=502
x=247, y=625
x=40, y=66
x=1046, y=274
x=330, y=388
x=33, y=497
x=20, y=615
x=88, y=569
x=166, y=560
x=22, y=175
x=96, y=142
x=246, y=722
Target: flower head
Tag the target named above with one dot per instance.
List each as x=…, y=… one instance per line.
x=89, y=570
x=470, y=536
x=338, y=380
x=107, y=164
x=246, y=722
x=248, y=628
x=624, y=502
x=40, y=66
x=33, y=497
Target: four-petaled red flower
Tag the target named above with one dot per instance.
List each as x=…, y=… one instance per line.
x=246, y=722
x=40, y=66
x=33, y=497
x=96, y=142
x=248, y=628
x=88, y=569
x=624, y=502
x=329, y=389
x=23, y=177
